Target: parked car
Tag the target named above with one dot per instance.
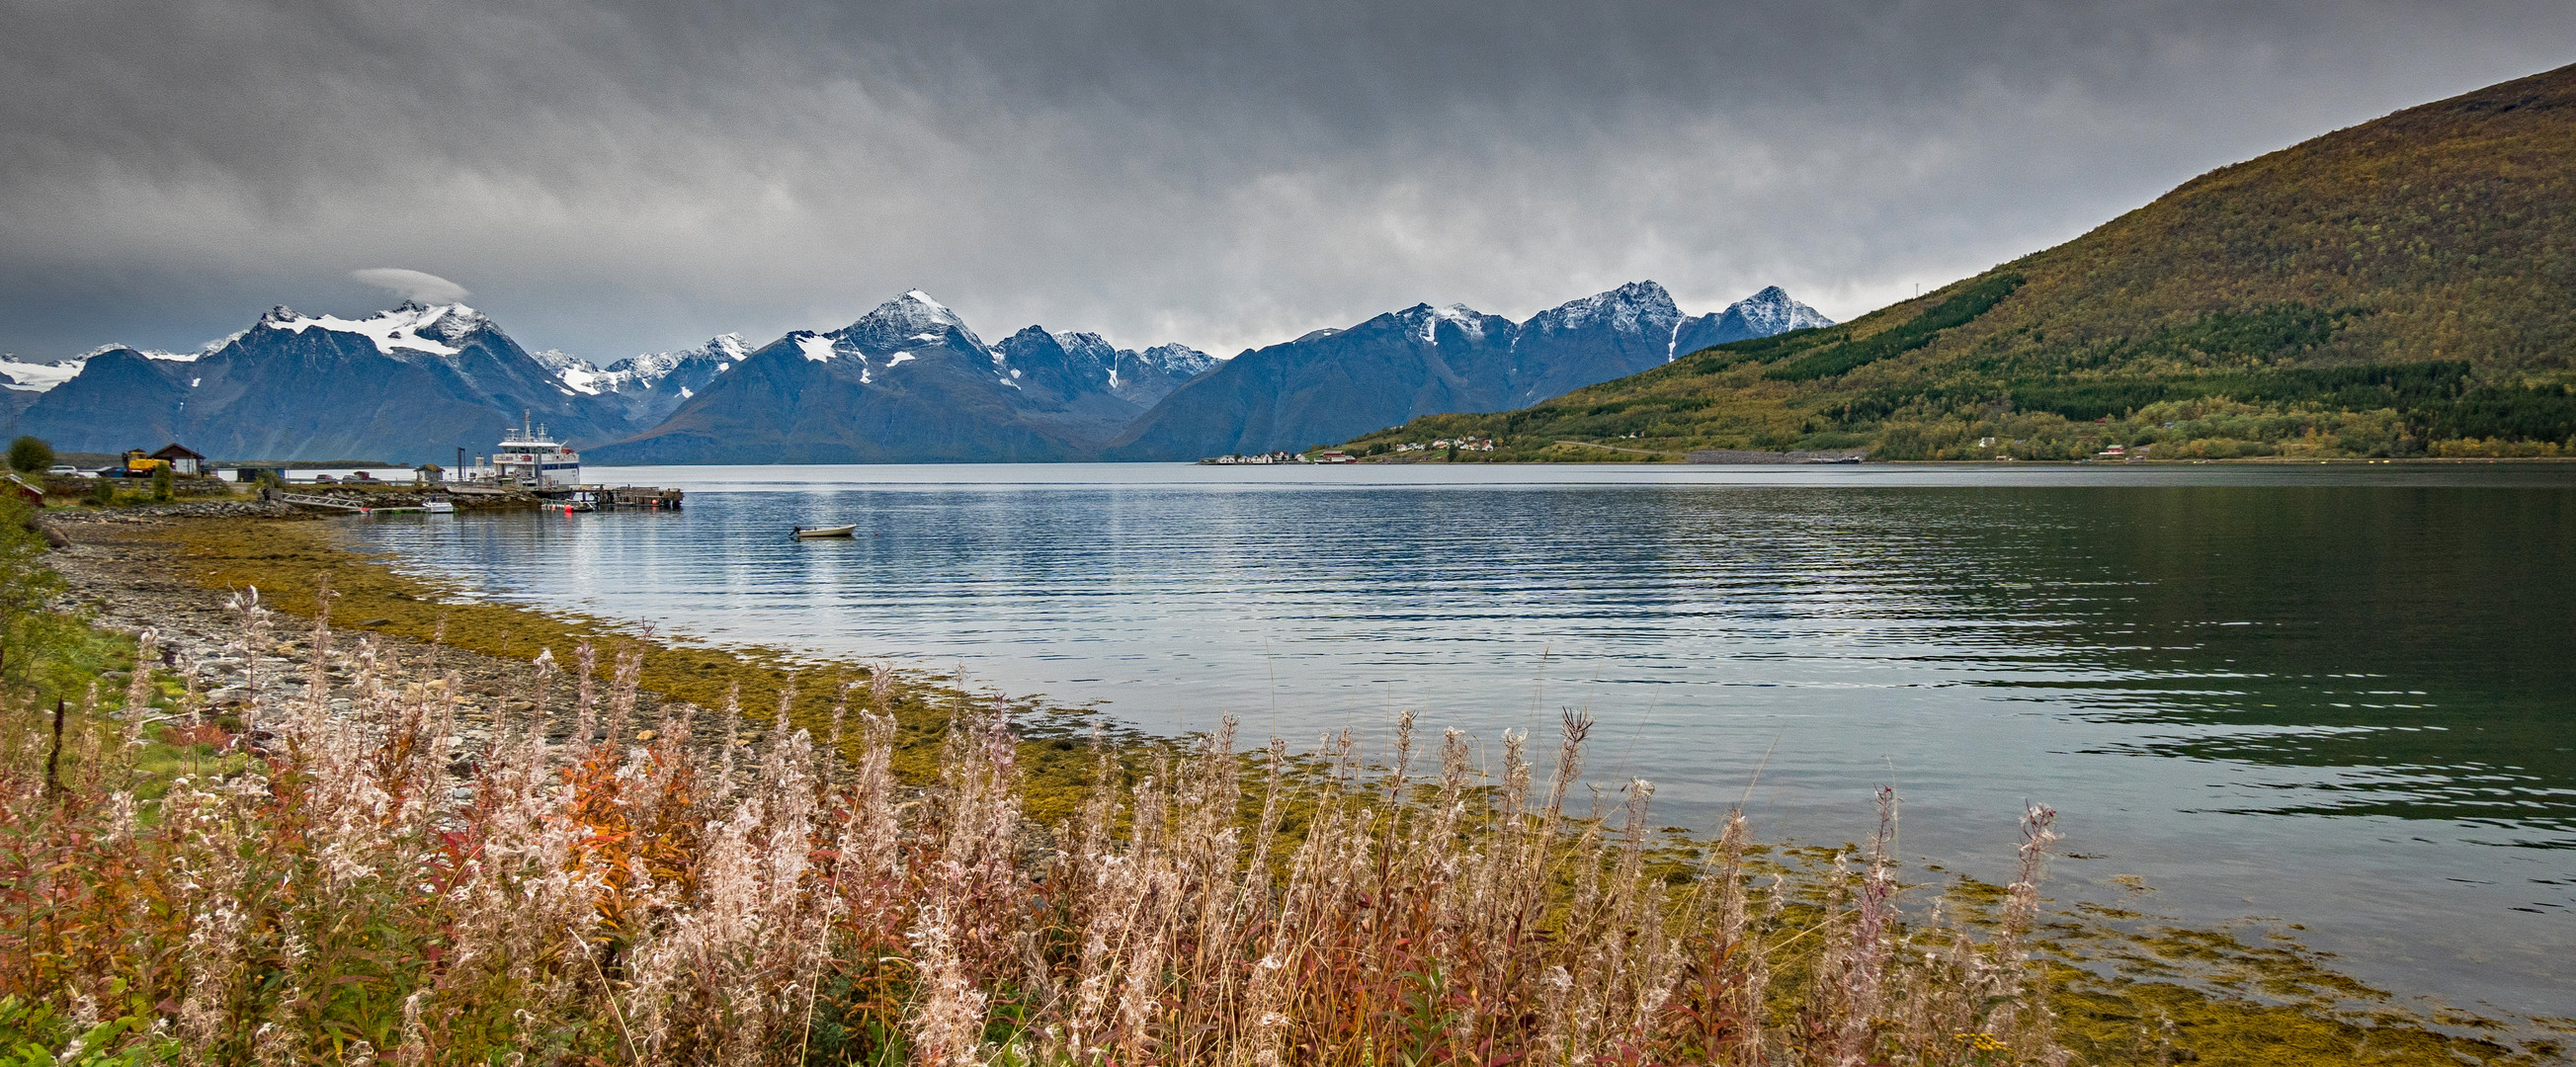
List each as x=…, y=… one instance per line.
x=63, y=470
x=324, y=479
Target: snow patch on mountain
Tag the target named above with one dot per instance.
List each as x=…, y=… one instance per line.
x=411, y=326
x=818, y=348
x=1468, y=320
x=38, y=377
x=643, y=371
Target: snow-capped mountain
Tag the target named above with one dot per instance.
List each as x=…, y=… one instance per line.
x=412, y=383
x=909, y=382
x=38, y=377
x=1332, y=385
x=1582, y=342
x=1763, y=314
x=645, y=389
x=22, y=383
x=1092, y=364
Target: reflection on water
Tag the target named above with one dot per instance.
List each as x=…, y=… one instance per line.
x=2335, y=695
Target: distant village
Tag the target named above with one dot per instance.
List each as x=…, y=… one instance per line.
x=527, y=465
x=1335, y=455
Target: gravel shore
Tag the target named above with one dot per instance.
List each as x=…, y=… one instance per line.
x=124, y=580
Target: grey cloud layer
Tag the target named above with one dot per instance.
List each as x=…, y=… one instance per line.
x=618, y=178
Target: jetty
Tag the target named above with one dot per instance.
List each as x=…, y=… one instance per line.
x=530, y=461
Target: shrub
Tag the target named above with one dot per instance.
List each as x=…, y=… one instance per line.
x=30, y=455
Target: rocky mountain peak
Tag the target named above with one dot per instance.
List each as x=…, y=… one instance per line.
x=1179, y=359
x=1637, y=307
x=910, y=321
x=1772, y=311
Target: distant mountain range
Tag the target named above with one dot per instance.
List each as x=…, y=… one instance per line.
x=2401, y=288
x=1332, y=384
x=909, y=382
x=413, y=383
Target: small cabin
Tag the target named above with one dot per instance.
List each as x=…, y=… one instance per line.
x=183, y=462
x=25, y=490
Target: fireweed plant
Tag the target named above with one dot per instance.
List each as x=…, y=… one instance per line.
x=351, y=881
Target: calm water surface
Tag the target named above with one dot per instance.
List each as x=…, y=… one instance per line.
x=2338, y=696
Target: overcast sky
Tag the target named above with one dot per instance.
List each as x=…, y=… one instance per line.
x=610, y=179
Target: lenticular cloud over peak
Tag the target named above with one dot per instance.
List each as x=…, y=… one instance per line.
x=413, y=284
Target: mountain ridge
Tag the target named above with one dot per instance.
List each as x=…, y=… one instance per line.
x=907, y=382
x=2402, y=287
x=413, y=382
x=910, y=382
x=1330, y=384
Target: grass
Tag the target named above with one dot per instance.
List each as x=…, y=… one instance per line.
x=287, y=884
x=2398, y=289
x=288, y=561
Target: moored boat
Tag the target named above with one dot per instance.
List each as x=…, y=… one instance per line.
x=826, y=531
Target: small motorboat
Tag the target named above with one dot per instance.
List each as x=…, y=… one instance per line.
x=436, y=506
x=826, y=531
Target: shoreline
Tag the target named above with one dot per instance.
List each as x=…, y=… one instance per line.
x=134, y=568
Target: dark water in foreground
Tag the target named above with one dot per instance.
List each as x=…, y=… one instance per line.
x=2338, y=696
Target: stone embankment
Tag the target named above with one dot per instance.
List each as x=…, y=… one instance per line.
x=182, y=509
x=465, y=498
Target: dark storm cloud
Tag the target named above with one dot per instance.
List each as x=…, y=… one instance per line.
x=610, y=178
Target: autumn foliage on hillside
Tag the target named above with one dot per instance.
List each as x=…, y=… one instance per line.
x=2406, y=287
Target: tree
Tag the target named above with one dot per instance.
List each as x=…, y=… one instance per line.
x=30, y=455
x=102, y=491
x=162, y=481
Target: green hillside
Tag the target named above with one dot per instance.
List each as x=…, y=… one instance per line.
x=2406, y=287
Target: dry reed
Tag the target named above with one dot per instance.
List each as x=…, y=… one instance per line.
x=372, y=888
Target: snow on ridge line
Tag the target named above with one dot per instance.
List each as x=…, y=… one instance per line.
x=818, y=348
x=39, y=377
x=398, y=328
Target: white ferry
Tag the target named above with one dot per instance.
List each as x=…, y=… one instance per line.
x=528, y=457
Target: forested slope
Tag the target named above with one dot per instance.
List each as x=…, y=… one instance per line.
x=2405, y=287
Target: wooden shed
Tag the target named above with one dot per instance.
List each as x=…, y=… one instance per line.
x=182, y=461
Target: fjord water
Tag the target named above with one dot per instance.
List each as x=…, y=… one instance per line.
x=2337, y=696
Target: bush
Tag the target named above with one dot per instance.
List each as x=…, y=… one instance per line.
x=30, y=455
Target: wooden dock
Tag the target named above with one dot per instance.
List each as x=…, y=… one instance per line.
x=611, y=497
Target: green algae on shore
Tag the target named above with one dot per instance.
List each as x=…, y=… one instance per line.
x=2122, y=997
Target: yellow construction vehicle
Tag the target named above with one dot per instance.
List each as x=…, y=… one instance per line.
x=140, y=465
